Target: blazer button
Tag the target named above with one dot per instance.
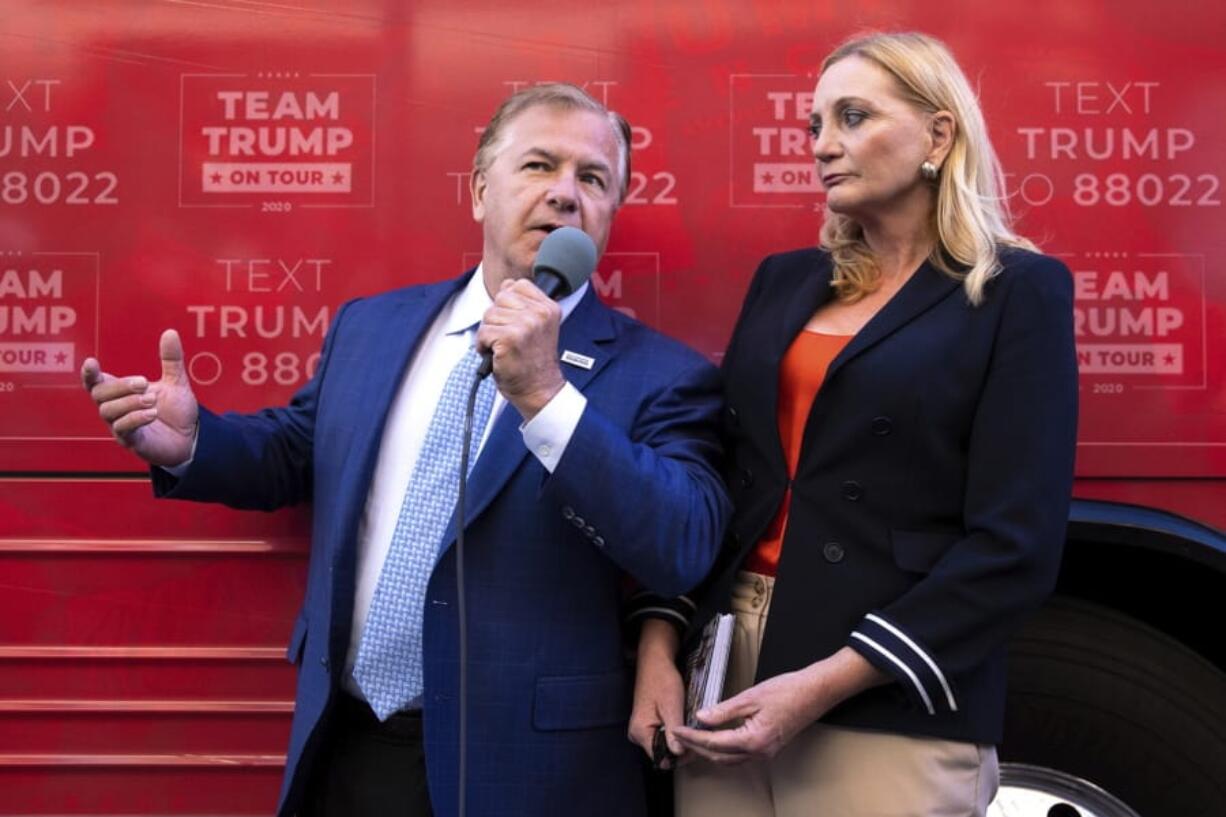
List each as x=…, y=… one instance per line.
x=746, y=478
x=598, y=541
x=833, y=552
x=589, y=531
x=733, y=417
x=882, y=426
x=568, y=512
x=324, y=662
x=578, y=522
x=852, y=490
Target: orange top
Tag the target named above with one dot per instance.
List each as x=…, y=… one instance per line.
x=800, y=377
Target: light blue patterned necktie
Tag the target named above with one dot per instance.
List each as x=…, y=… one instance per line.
x=388, y=666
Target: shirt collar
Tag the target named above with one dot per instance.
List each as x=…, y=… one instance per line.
x=470, y=304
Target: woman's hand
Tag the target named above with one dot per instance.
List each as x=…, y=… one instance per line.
x=659, y=691
x=774, y=711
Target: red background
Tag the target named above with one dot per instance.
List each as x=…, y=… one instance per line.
x=93, y=572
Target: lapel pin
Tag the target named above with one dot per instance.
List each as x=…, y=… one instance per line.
x=576, y=359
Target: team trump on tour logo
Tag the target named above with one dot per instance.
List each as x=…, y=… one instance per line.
x=277, y=138
x=48, y=311
x=771, y=159
x=1139, y=318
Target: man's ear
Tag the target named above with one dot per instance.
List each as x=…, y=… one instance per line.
x=476, y=189
x=942, y=129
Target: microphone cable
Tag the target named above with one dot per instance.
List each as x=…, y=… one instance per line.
x=461, y=605
x=566, y=259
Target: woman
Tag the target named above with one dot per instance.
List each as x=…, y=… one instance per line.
x=901, y=418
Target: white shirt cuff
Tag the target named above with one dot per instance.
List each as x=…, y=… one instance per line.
x=548, y=433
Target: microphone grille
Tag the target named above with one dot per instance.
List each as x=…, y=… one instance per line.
x=568, y=252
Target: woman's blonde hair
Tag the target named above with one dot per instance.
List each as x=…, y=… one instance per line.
x=972, y=215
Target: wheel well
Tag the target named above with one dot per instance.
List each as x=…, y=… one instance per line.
x=1169, y=591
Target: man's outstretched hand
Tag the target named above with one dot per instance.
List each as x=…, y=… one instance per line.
x=156, y=420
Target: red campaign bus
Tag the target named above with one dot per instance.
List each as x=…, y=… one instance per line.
x=237, y=169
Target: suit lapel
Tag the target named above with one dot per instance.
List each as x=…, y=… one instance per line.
x=588, y=331
x=796, y=298
x=765, y=348
x=925, y=288
x=393, y=339
x=811, y=292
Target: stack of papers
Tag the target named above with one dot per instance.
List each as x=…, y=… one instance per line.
x=707, y=666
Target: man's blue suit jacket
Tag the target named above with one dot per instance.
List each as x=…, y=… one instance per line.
x=636, y=493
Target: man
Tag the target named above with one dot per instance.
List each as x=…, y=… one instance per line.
x=594, y=471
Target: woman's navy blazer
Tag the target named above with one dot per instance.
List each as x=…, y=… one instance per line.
x=931, y=496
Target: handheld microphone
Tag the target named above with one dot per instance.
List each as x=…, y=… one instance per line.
x=566, y=260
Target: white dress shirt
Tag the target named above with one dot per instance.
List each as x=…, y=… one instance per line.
x=441, y=347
